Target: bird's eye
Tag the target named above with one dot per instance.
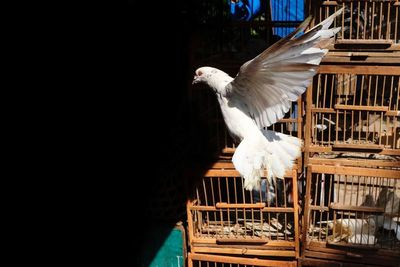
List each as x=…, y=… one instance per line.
x=199, y=73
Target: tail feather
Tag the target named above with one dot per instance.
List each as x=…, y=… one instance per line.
x=284, y=150
x=269, y=155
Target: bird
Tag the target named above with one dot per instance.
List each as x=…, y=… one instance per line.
x=261, y=94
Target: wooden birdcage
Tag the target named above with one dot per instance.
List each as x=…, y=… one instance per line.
x=366, y=24
x=352, y=215
x=353, y=109
x=225, y=218
x=210, y=260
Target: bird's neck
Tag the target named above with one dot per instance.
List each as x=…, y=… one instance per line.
x=218, y=83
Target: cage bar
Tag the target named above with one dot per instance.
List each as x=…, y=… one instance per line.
x=355, y=108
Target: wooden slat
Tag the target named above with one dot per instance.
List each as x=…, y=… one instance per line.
x=318, y=208
x=265, y=209
x=362, y=108
x=329, y=3
x=343, y=259
x=369, y=258
x=327, y=149
x=323, y=110
x=190, y=222
x=365, y=41
x=307, y=212
x=322, y=247
x=223, y=165
x=393, y=113
x=353, y=246
x=272, y=244
x=224, y=205
x=327, y=169
x=229, y=165
x=358, y=146
x=228, y=150
x=190, y=261
x=203, y=208
x=296, y=215
x=242, y=240
x=338, y=206
x=394, y=152
x=307, y=131
x=320, y=262
x=356, y=162
x=320, y=149
x=234, y=173
x=240, y=260
x=299, y=126
x=361, y=60
x=362, y=54
x=359, y=69
x=244, y=251
x=222, y=173
x=277, y=209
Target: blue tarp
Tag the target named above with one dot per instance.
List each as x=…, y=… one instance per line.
x=244, y=9
x=281, y=10
x=286, y=10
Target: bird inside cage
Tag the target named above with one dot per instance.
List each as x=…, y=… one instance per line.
x=353, y=230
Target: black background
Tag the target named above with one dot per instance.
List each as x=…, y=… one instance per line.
x=150, y=124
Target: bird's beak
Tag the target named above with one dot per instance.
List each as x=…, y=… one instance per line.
x=195, y=79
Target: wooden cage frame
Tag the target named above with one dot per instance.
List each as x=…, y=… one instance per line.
x=319, y=253
x=234, y=261
x=379, y=15
x=336, y=110
x=248, y=245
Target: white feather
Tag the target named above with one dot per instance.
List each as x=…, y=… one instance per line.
x=275, y=152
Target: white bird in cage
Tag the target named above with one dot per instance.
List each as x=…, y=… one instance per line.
x=260, y=95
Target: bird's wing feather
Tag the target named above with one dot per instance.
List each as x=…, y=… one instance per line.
x=279, y=75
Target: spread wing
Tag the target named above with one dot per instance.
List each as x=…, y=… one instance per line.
x=269, y=83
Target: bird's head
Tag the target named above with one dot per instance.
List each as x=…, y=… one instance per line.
x=203, y=74
x=213, y=77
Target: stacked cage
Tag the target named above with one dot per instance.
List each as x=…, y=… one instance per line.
x=352, y=140
x=224, y=218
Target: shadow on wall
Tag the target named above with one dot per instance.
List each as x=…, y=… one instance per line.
x=174, y=137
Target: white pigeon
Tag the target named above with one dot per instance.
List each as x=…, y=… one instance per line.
x=261, y=94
